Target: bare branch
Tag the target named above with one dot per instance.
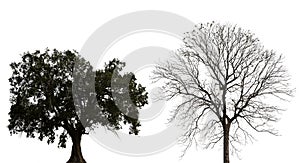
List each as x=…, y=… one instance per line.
x=224, y=75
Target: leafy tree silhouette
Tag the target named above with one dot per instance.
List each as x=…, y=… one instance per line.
x=45, y=103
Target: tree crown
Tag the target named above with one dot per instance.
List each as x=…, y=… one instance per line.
x=43, y=100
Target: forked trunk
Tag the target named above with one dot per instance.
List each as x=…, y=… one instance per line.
x=76, y=155
x=226, y=144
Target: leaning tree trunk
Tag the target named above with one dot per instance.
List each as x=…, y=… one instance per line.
x=76, y=155
x=226, y=143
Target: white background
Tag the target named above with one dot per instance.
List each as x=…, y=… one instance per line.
x=30, y=25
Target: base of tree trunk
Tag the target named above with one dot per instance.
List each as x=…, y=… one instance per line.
x=76, y=155
x=76, y=162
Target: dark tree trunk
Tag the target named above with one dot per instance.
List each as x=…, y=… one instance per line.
x=226, y=144
x=76, y=155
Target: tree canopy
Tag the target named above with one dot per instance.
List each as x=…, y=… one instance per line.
x=43, y=103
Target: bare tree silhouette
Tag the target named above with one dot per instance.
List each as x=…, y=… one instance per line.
x=224, y=74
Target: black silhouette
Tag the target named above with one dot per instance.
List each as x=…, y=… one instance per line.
x=224, y=74
x=45, y=102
